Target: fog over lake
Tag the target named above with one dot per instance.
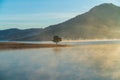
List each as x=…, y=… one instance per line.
x=81, y=62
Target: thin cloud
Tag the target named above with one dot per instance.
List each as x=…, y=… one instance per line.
x=34, y=20
x=39, y=16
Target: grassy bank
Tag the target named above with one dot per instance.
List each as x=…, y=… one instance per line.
x=13, y=45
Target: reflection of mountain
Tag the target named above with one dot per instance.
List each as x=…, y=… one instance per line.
x=100, y=22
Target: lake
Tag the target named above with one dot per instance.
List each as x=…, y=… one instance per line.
x=82, y=62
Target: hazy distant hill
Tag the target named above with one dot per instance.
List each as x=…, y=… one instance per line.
x=101, y=22
x=16, y=34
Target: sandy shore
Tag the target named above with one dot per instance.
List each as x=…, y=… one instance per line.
x=12, y=45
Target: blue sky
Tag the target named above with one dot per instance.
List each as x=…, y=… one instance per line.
x=42, y=13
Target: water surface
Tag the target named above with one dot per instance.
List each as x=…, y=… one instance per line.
x=83, y=62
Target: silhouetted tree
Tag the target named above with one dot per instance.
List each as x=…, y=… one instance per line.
x=57, y=39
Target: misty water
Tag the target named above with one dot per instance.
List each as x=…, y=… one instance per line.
x=81, y=62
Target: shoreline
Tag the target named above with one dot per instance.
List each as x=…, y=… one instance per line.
x=13, y=45
x=90, y=40
x=30, y=45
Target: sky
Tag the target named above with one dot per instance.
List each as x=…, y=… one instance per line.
x=24, y=14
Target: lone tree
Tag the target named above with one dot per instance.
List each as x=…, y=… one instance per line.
x=57, y=39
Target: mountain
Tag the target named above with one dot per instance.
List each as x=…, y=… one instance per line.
x=14, y=34
x=101, y=22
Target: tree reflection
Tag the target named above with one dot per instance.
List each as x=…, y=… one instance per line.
x=57, y=50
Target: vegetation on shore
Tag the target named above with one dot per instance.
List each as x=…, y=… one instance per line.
x=13, y=45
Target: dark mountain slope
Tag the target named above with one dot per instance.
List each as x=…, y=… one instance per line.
x=14, y=34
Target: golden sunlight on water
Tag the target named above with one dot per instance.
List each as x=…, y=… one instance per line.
x=105, y=59
x=82, y=62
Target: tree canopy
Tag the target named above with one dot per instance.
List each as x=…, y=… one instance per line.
x=57, y=39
